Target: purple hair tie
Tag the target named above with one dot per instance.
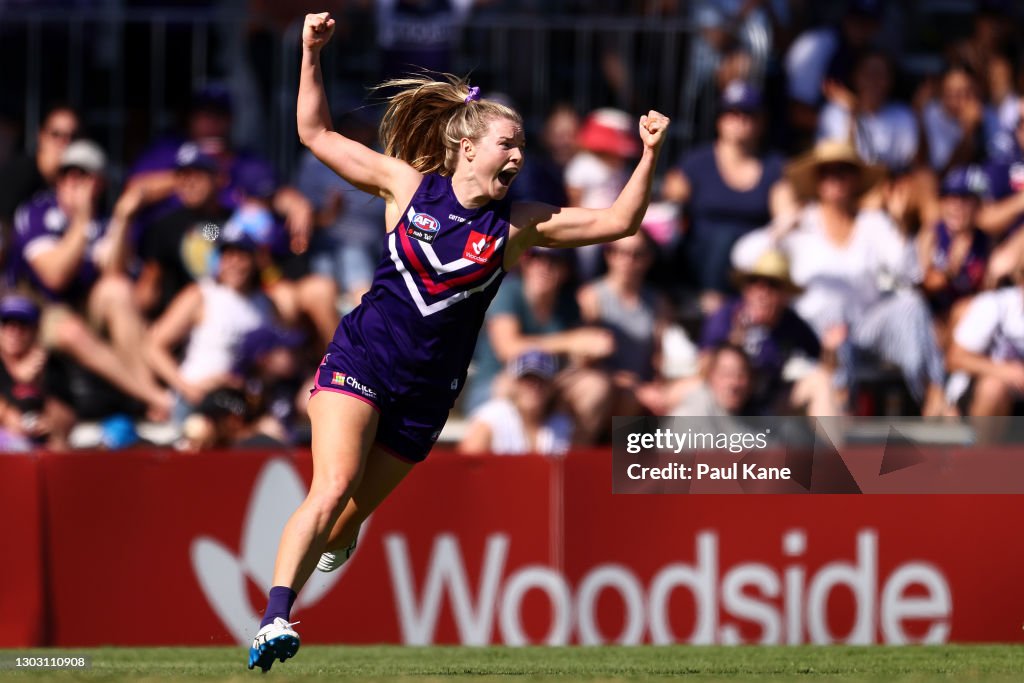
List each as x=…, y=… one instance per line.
x=474, y=94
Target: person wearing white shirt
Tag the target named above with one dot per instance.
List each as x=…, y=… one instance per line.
x=988, y=344
x=884, y=132
x=525, y=421
x=855, y=268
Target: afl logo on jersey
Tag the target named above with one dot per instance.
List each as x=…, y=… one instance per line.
x=423, y=227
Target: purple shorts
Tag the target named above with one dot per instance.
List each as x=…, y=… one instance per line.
x=406, y=428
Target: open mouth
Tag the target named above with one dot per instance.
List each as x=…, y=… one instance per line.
x=507, y=176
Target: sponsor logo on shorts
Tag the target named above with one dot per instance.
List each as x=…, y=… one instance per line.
x=423, y=227
x=338, y=378
x=479, y=247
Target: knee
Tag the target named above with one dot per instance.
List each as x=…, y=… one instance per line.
x=991, y=390
x=329, y=494
x=69, y=332
x=114, y=289
x=317, y=290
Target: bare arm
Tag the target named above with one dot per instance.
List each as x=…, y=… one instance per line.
x=782, y=199
x=541, y=224
x=508, y=341
x=172, y=327
x=477, y=440
x=368, y=170
x=973, y=363
x=996, y=217
x=57, y=265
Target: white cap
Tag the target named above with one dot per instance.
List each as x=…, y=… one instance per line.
x=84, y=154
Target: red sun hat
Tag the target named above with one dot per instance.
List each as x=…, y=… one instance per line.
x=611, y=131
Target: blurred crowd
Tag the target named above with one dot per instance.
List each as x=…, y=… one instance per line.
x=845, y=240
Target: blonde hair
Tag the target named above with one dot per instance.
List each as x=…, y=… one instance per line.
x=426, y=119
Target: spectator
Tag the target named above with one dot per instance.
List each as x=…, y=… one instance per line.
x=348, y=244
x=296, y=292
x=1003, y=208
x=955, y=252
x=525, y=421
x=884, y=132
x=856, y=269
x=223, y=420
x=209, y=128
x=267, y=365
x=988, y=346
x=25, y=175
x=637, y=316
x=214, y=315
x=956, y=124
x=599, y=171
x=726, y=388
x=773, y=337
x=828, y=53
x=543, y=176
x=729, y=187
x=34, y=404
x=539, y=311
x=176, y=249
x=70, y=257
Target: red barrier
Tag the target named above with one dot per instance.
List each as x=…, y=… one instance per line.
x=21, y=571
x=519, y=550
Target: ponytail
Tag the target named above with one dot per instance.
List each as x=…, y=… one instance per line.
x=426, y=120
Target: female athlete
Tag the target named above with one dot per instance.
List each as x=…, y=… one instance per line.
x=398, y=360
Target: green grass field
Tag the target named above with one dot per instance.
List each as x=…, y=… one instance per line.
x=325, y=663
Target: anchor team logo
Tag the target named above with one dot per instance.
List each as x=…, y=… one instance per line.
x=479, y=247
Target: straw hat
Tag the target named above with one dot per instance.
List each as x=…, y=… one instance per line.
x=773, y=265
x=802, y=172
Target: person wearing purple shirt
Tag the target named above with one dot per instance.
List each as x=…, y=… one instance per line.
x=761, y=323
x=399, y=360
x=1002, y=211
x=65, y=254
x=209, y=127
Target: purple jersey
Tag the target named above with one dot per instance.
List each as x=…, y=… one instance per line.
x=417, y=327
x=39, y=224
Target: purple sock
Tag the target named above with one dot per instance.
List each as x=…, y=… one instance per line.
x=279, y=605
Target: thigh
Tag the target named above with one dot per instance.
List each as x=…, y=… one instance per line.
x=344, y=428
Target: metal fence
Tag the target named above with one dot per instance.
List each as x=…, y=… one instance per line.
x=131, y=70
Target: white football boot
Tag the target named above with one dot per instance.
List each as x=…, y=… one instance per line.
x=277, y=640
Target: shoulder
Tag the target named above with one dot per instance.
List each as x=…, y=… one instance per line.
x=39, y=214
x=876, y=221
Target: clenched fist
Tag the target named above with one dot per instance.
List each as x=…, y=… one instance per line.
x=317, y=30
x=652, y=129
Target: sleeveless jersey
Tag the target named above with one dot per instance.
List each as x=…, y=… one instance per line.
x=416, y=329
